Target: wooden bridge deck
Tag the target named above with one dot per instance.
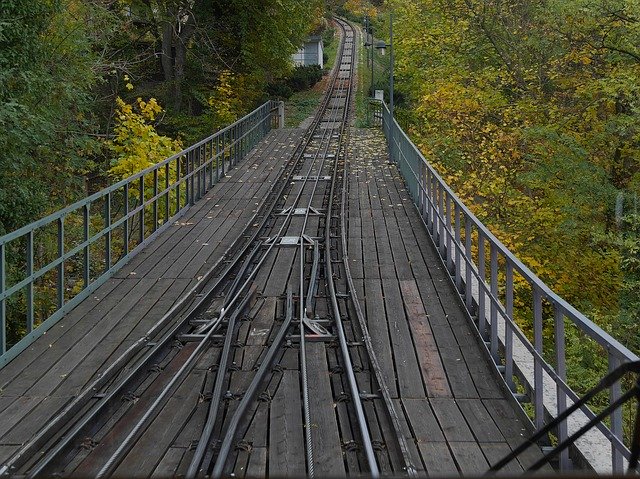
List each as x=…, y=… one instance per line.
x=457, y=415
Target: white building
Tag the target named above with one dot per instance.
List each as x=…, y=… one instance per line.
x=310, y=53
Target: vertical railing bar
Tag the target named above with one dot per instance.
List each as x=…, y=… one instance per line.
x=211, y=161
x=86, y=269
x=142, y=208
x=155, y=200
x=615, y=391
x=494, y=307
x=449, y=233
x=29, y=298
x=508, y=331
x=429, y=205
x=537, y=367
x=224, y=138
x=561, y=369
x=167, y=179
x=458, y=260
x=126, y=226
x=440, y=216
x=60, y=281
x=482, y=286
x=3, y=302
x=107, y=226
x=178, y=160
x=468, y=287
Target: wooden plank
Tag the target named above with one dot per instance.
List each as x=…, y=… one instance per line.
x=426, y=348
x=326, y=440
x=257, y=462
x=286, y=440
x=377, y=326
x=514, y=430
x=437, y=458
x=480, y=421
x=158, y=438
x=168, y=465
x=406, y=362
x=262, y=322
x=469, y=458
x=423, y=421
x=495, y=451
x=451, y=420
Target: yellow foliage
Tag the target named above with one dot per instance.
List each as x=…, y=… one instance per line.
x=136, y=143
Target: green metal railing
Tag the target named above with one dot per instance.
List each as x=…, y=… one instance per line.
x=492, y=281
x=51, y=265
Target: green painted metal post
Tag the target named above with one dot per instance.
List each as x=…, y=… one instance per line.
x=155, y=201
x=126, y=215
x=86, y=267
x=60, y=281
x=29, y=298
x=107, y=225
x=3, y=303
x=178, y=184
x=167, y=194
x=142, y=218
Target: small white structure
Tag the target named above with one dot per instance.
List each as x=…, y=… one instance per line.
x=310, y=53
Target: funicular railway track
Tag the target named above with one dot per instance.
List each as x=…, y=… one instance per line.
x=269, y=370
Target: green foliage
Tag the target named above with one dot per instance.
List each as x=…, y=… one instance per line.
x=531, y=112
x=301, y=78
x=45, y=78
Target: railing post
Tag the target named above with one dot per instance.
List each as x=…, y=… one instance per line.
x=191, y=181
x=449, y=231
x=60, y=281
x=224, y=138
x=155, y=200
x=29, y=299
x=561, y=369
x=142, y=207
x=107, y=238
x=458, y=261
x=440, y=216
x=615, y=391
x=494, y=306
x=537, y=366
x=210, y=159
x=86, y=269
x=482, y=284
x=178, y=160
x=3, y=302
x=508, y=331
x=468, y=289
x=167, y=205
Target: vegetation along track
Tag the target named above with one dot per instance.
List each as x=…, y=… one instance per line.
x=266, y=367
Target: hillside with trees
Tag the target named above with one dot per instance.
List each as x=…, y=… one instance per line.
x=91, y=89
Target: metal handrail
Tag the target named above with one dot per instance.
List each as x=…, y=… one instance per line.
x=486, y=283
x=164, y=192
x=606, y=382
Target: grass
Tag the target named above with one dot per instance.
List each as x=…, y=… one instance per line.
x=300, y=106
x=380, y=72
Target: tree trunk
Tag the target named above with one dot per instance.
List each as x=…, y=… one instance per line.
x=182, y=41
x=167, y=45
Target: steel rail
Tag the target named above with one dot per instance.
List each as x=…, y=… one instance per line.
x=137, y=430
x=196, y=464
x=28, y=451
x=249, y=395
x=344, y=348
x=366, y=338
